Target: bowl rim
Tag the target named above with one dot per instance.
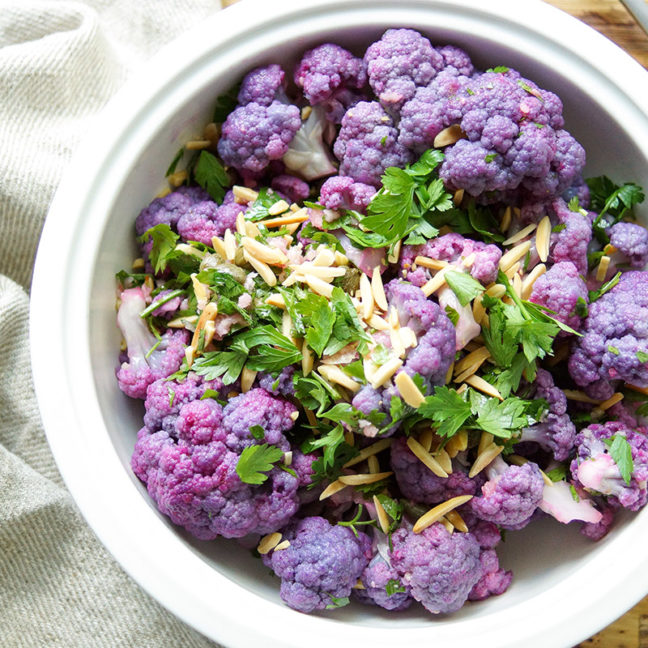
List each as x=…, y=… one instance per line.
x=61, y=301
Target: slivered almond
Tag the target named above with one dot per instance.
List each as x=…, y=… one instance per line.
x=543, y=238
x=366, y=297
x=373, y=465
x=381, y=514
x=341, y=259
x=613, y=400
x=448, y=376
x=378, y=289
x=609, y=249
x=364, y=478
x=433, y=264
x=579, y=396
x=444, y=460
x=449, y=136
x=286, y=324
x=251, y=229
x=209, y=313
x=392, y=257
x=514, y=254
x=162, y=193
x=276, y=300
x=138, y=264
x=282, y=545
x=478, y=355
x=288, y=456
x=505, y=223
x=531, y=278
x=384, y=373
x=189, y=249
x=408, y=390
x=602, y=268
x=434, y=284
x=518, y=236
x=349, y=438
x=469, y=261
x=641, y=390
x=229, y=241
x=294, y=218
x=517, y=284
x=358, y=584
x=219, y=246
x=307, y=360
x=485, y=440
x=425, y=457
x=369, y=451
x=393, y=318
x=449, y=527
x=458, y=197
x=177, y=178
x=265, y=253
x=378, y=323
x=319, y=286
x=485, y=458
x=457, y=443
x=457, y=521
x=190, y=353
x=247, y=379
x=279, y=207
x=426, y=438
x=334, y=487
x=210, y=331
x=484, y=387
x=398, y=348
x=240, y=224
x=294, y=416
x=201, y=291
x=244, y=195
x=512, y=271
x=181, y=322
x=264, y=270
x=336, y=375
x=436, y=513
x=324, y=257
x=197, y=145
x=268, y=543
x=462, y=388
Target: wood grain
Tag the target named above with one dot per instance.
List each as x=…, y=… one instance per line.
x=611, y=19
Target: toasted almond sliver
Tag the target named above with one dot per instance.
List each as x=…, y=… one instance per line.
x=307, y=359
x=177, y=178
x=244, y=194
x=408, y=390
x=408, y=337
x=363, y=478
x=247, y=379
x=398, y=348
x=279, y=207
x=367, y=297
x=505, y=223
x=325, y=257
x=229, y=240
x=251, y=229
x=579, y=396
x=449, y=527
x=282, y=545
x=603, y=266
x=319, y=286
x=378, y=323
x=517, y=284
x=514, y=254
x=268, y=543
x=369, y=451
x=201, y=291
x=209, y=313
x=181, y=322
x=393, y=318
x=433, y=264
x=457, y=443
x=264, y=270
x=286, y=324
x=334, y=487
x=641, y=390
x=458, y=197
x=384, y=373
x=613, y=400
x=163, y=192
x=485, y=458
x=381, y=514
x=436, y=513
x=518, y=236
x=294, y=218
x=483, y=386
x=444, y=460
x=434, y=284
x=425, y=457
x=469, y=261
x=210, y=331
x=138, y=264
x=449, y=136
x=481, y=353
x=485, y=440
x=336, y=375
x=543, y=238
x=427, y=438
x=512, y=271
x=457, y=521
x=265, y=253
x=219, y=246
x=378, y=289
x=531, y=278
x=373, y=464
x=190, y=353
x=392, y=257
x=197, y=145
x=276, y=300
x=240, y=224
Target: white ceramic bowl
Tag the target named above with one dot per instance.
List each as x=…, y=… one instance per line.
x=565, y=588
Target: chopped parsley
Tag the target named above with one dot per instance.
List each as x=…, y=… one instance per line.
x=621, y=451
x=257, y=460
x=211, y=176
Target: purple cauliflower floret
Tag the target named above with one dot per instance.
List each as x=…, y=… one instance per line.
x=164, y=398
x=375, y=579
x=441, y=568
x=555, y=432
x=322, y=563
x=368, y=144
x=253, y=135
x=561, y=289
x=570, y=244
x=631, y=242
x=262, y=86
x=401, y=61
x=596, y=470
x=494, y=580
x=204, y=220
x=281, y=385
x=295, y=189
x=257, y=407
x=169, y=209
x=454, y=57
x=419, y=484
x=452, y=248
x=597, y=530
x=332, y=76
x=615, y=335
x=145, y=366
x=434, y=353
x=342, y=192
x=511, y=494
x=302, y=464
x=192, y=477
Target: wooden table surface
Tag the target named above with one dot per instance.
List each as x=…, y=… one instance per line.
x=611, y=19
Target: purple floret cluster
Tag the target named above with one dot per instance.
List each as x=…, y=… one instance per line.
x=373, y=413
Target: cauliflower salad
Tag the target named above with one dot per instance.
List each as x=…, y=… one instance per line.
x=379, y=318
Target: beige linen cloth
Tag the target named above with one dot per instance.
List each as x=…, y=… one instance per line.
x=59, y=64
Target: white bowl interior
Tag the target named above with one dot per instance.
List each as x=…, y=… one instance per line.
x=544, y=556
